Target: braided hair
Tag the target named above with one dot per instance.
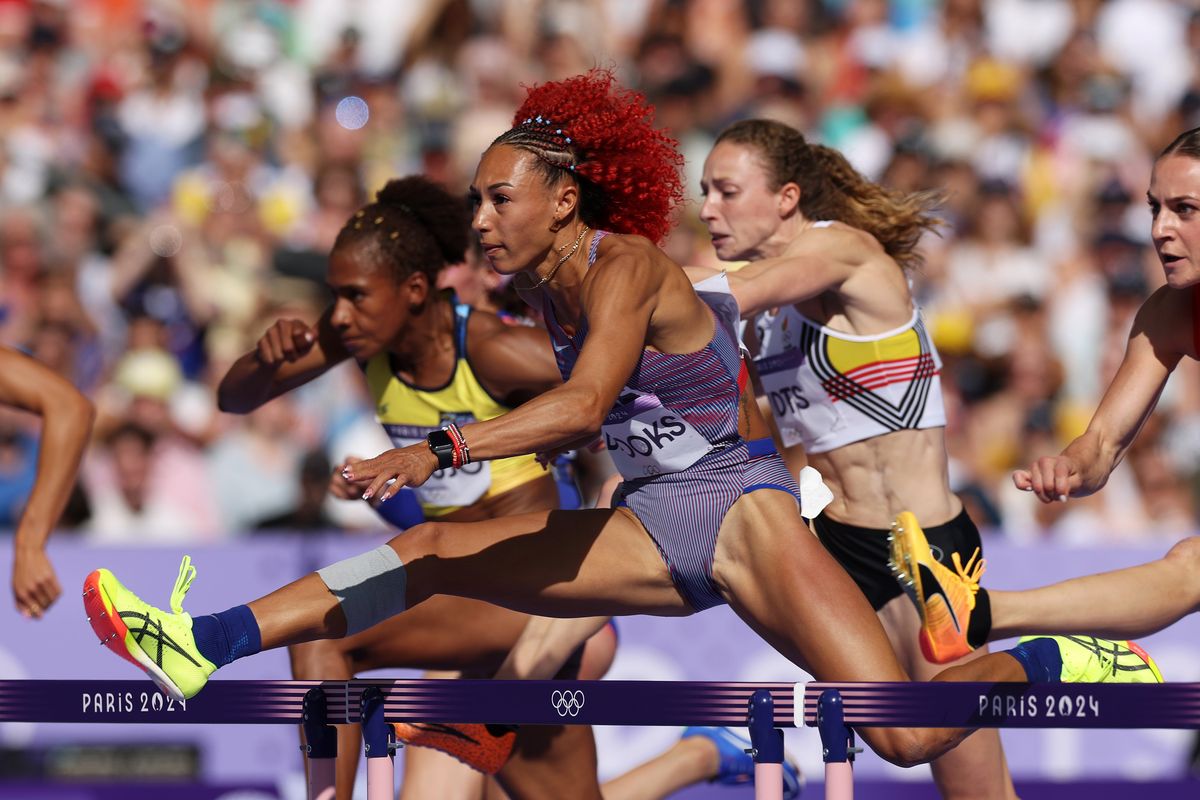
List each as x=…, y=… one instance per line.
x=589, y=129
x=414, y=225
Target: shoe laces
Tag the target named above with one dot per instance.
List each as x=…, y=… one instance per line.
x=970, y=574
x=1107, y=657
x=187, y=574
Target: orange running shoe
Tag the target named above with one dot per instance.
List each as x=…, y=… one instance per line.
x=944, y=598
x=485, y=748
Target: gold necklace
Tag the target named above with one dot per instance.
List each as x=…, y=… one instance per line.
x=562, y=260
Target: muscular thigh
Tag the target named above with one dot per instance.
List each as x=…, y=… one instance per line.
x=561, y=563
x=784, y=584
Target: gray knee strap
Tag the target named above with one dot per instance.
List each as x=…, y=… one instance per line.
x=369, y=587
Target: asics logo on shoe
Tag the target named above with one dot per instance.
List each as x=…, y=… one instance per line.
x=929, y=580
x=567, y=703
x=1104, y=654
x=152, y=629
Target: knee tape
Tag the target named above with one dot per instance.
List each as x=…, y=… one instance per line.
x=369, y=587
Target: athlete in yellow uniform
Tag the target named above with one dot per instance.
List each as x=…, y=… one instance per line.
x=409, y=412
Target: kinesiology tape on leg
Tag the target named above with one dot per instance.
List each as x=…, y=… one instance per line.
x=369, y=587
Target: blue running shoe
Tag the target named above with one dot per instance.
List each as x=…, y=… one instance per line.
x=736, y=764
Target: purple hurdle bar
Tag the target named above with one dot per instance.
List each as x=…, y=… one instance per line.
x=917, y=705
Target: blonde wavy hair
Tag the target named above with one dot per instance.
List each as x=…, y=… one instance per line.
x=831, y=189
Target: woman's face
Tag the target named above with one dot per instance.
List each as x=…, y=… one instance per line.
x=740, y=209
x=1174, y=197
x=514, y=210
x=370, y=307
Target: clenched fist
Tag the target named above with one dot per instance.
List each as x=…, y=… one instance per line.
x=285, y=341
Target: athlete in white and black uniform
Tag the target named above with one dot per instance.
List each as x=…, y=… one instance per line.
x=851, y=375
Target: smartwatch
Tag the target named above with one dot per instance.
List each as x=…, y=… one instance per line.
x=442, y=446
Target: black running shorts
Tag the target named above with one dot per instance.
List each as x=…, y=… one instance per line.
x=863, y=552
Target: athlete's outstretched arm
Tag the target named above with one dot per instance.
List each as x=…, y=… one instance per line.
x=618, y=298
x=1152, y=353
x=804, y=270
x=66, y=426
x=291, y=353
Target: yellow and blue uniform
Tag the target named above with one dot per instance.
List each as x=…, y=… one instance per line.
x=408, y=413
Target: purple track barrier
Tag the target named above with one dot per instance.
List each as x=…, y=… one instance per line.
x=764, y=707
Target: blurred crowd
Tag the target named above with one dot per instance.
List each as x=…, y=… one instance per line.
x=173, y=173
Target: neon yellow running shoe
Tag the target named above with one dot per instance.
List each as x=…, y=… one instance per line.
x=1087, y=659
x=944, y=598
x=159, y=643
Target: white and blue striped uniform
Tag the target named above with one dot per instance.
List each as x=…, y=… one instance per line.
x=673, y=434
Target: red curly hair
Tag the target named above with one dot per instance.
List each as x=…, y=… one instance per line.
x=629, y=172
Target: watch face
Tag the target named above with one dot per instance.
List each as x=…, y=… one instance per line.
x=442, y=446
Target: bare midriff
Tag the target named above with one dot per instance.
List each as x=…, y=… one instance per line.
x=875, y=479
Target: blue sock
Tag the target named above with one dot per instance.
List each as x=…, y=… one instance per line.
x=225, y=637
x=1041, y=659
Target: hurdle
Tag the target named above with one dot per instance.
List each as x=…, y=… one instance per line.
x=836, y=709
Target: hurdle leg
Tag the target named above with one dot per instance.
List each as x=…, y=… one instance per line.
x=768, y=747
x=381, y=778
x=837, y=743
x=320, y=746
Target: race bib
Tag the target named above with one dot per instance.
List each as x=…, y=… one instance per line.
x=646, y=439
x=778, y=376
x=790, y=400
x=445, y=487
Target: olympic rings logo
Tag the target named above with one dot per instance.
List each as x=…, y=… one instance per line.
x=568, y=703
